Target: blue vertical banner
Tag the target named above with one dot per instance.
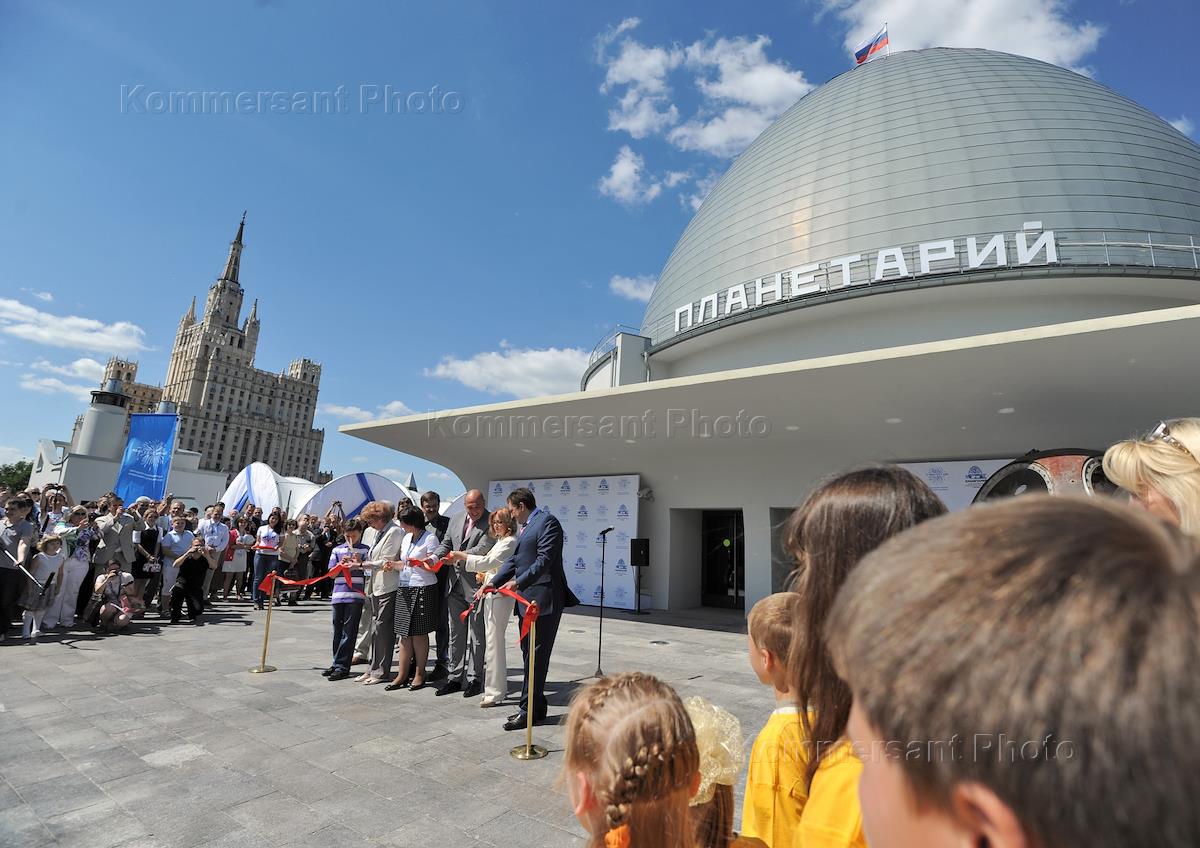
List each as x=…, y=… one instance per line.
x=147, y=459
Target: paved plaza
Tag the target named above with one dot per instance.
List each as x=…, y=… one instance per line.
x=163, y=738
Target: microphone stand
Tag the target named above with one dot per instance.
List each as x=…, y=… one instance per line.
x=600, y=642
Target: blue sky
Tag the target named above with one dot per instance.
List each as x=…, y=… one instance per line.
x=499, y=187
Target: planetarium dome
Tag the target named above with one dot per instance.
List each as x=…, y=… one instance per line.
x=932, y=147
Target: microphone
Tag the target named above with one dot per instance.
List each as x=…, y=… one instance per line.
x=605, y=531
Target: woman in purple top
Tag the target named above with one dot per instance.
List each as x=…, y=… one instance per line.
x=348, y=599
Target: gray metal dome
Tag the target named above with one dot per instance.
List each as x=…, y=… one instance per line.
x=932, y=144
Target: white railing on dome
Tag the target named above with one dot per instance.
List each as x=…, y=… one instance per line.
x=609, y=342
x=1089, y=248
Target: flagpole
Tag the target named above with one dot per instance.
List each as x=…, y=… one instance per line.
x=888, y=47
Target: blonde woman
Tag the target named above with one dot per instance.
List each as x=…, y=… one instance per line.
x=1161, y=470
x=496, y=609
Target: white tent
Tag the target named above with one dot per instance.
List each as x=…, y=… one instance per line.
x=354, y=491
x=454, y=507
x=258, y=484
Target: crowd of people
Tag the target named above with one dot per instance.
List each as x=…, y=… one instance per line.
x=1013, y=675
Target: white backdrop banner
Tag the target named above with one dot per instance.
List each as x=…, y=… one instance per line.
x=585, y=506
x=956, y=482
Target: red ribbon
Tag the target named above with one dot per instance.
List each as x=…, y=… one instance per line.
x=268, y=583
x=435, y=568
x=531, y=608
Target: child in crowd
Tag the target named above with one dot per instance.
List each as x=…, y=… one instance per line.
x=632, y=763
x=348, y=599
x=776, y=789
x=843, y=519
x=1024, y=674
x=721, y=746
x=48, y=561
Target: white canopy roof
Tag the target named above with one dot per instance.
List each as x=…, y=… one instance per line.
x=258, y=484
x=354, y=491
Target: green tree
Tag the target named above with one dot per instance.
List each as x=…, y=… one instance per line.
x=15, y=475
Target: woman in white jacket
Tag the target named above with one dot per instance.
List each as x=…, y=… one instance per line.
x=497, y=609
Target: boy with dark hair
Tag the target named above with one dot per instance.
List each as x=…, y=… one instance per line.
x=1024, y=674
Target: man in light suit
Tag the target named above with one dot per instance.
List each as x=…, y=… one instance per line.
x=535, y=571
x=116, y=528
x=467, y=532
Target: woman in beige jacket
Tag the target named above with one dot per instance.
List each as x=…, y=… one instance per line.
x=497, y=609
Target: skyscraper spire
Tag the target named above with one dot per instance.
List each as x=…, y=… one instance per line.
x=190, y=318
x=253, y=311
x=233, y=264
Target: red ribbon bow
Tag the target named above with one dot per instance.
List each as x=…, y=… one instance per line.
x=531, y=608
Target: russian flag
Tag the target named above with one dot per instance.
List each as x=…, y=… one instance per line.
x=871, y=46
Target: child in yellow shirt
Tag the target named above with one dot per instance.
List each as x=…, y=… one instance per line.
x=775, y=784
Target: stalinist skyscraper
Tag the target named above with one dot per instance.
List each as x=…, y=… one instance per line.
x=230, y=411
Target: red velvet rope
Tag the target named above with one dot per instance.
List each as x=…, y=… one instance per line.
x=268, y=582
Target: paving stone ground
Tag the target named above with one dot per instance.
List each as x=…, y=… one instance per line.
x=163, y=738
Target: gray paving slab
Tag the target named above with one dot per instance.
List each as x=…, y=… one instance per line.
x=168, y=739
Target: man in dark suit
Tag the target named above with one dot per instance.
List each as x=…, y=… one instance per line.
x=437, y=524
x=468, y=532
x=535, y=571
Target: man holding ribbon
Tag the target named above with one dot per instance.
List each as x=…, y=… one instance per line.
x=535, y=571
x=467, y=533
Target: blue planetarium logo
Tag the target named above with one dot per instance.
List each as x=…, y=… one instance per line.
x=583, y=513
x=602, y=486
x=580, y=564
x=975, y=475
x=498, y=489
x=621, y=566
x=622, y=512
x=565, y=488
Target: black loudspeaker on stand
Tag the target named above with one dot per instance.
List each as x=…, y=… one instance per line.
x=639, y=558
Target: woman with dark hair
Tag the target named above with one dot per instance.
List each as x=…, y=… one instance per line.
x=266, y=559
x=416, y=598
x=841, y=521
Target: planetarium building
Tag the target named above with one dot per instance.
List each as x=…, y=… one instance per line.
x=944, y=258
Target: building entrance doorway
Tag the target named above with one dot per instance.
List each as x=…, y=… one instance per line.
x=722, y=559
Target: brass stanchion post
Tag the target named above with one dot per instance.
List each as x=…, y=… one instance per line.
x=262, y=667
x=529, y=751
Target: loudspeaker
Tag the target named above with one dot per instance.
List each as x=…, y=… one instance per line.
x=639, y=553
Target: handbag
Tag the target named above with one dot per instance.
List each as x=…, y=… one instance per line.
x=91, y=613
x=152, y=566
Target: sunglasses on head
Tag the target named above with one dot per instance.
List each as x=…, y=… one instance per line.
x=1162, y=433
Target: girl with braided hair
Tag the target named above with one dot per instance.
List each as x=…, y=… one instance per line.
x=632, y=763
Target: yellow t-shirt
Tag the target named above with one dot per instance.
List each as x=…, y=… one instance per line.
x=779, y=810
x=775, y=790
x=832, y=818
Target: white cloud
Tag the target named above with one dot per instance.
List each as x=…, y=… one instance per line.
x=69, y=331
x=633, y=288
x=83, y=368
x=8, y=454
x=674, y=178
x=644, y=107
x=439, y=475
x=517, y=372
x=626, y=181
x=1184, y=124
x=346, y=413
x=395, y=409
x=358, y=459
x=55, y=386
x=1036, y=28
x=40, y=295
x=704, y=185
x=744, y=92
x=741, y=91
x=391, y=409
